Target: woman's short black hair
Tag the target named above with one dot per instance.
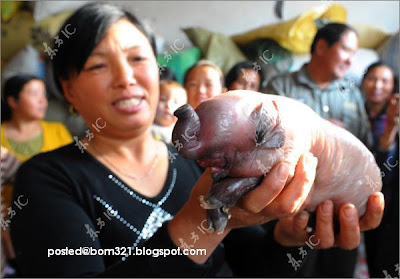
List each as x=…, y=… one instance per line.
x=331, y=33
x=12, y=88
x=85, y=28
x=236, y=70
x=382, y=64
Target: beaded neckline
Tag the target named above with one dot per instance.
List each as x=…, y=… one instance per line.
x=134, y=195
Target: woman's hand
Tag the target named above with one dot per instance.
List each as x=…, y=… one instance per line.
x=272, y=199
x=192, y=217
x=292, y=231
x=392, y=111
x=269, y=200
x=392, y=124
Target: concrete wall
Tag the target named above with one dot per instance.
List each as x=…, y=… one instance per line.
x=167, y=18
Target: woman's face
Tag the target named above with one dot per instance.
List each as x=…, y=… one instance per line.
x=119, y=82
x=32, y=102
x=248, y=79
x=378, y=85
x=203, y=83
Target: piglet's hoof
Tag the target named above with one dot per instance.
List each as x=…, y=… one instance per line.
x=209, y=203
x=218, y=219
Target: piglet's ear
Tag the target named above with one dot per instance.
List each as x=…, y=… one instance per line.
x=261, y=124
x=277, y=136
x=275, y=105
x=267, y=134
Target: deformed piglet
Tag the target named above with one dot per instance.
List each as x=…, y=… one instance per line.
x=241, y=135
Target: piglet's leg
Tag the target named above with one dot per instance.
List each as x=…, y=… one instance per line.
x=224, y=195
x=226, y=192
x=217, y=219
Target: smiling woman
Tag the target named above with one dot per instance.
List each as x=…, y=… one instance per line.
x=119, y=187
x=23, y=130
x=119, y=78
x=114, y=70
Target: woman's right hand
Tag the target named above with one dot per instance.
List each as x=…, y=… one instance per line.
x=270, y=200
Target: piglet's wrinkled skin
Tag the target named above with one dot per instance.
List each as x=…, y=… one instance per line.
x=241, y=135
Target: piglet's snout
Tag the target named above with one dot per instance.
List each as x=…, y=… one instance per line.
x=186, y=130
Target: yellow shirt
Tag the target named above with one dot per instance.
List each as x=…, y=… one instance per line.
x=55, y=135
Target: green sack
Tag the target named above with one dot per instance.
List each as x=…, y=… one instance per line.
x=215, y=47
x=179, y=61
x=267, y=51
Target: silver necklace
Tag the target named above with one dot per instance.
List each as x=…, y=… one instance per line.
x=155, y=162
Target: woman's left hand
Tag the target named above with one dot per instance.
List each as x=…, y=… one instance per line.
x=291, y=231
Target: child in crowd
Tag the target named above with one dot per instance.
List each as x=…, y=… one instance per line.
x=172, y=96
x=203, y=81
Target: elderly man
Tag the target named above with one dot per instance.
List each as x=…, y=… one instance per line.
x=322, y=85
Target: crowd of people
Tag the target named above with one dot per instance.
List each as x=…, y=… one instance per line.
x=125, y=185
